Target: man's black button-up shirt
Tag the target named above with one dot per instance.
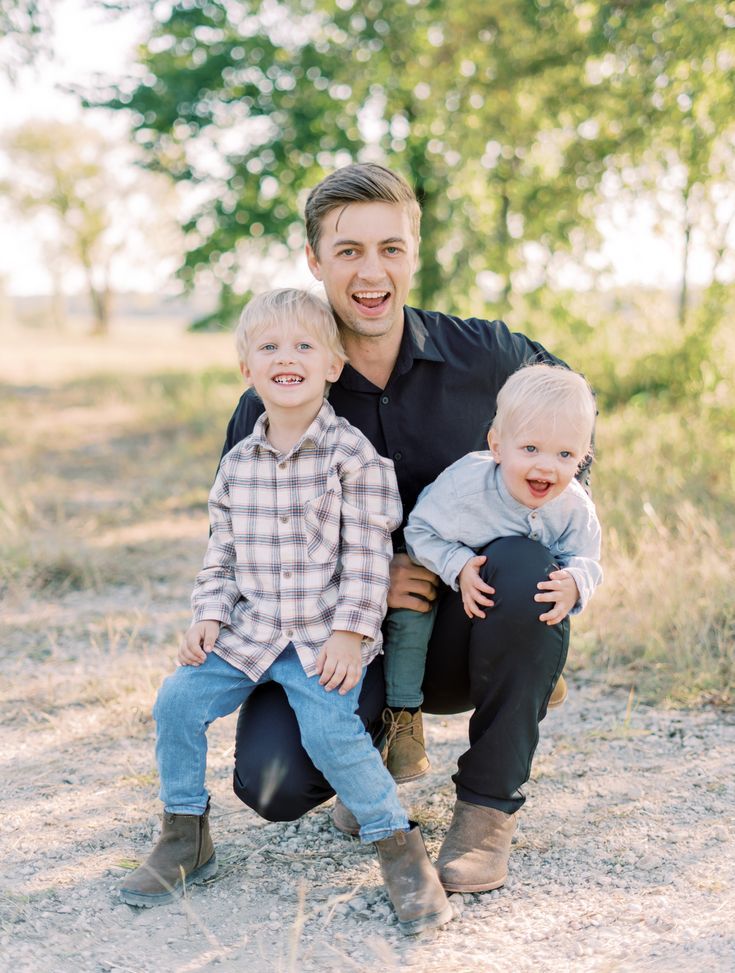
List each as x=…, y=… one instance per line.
x=439, y=400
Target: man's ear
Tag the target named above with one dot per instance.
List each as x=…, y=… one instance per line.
x=313, y=262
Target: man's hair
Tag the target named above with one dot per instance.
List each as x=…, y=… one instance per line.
x=546, y=394
x=358, y=183
x=291, y=308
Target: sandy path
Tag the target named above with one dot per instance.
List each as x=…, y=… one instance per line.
x=623, y=858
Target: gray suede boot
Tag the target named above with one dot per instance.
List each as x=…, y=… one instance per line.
x=411, y=882
x=475, y=852
x=185, y=846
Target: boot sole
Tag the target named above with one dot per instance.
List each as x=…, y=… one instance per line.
x=405, y=779
x=147, y=900
x=464, y=887
x=415, y=926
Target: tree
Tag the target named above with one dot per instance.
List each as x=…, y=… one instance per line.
x=23, y=24
x=92, y=206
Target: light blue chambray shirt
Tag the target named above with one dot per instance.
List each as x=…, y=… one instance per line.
x=468, y=505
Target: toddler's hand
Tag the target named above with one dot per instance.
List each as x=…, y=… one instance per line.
x=198, y=643
x=474, y=589
x=340, y=662
x=562, y=591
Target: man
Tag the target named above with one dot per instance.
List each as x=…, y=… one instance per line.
x=421, y=386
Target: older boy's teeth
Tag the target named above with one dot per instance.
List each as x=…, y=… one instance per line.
x=287, y=380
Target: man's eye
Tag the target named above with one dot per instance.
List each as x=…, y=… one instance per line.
x=347, y=252
x=392, y=250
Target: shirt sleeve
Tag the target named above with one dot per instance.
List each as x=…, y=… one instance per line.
x=215, y=589
x=431, y=530
x=371, y=510
x=580, y=552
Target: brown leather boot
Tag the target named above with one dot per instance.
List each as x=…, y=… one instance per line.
x=406, y=756
x=411, y=882
x=558, y=694
x=475, y=852
x=344, y=820
x=185, y=843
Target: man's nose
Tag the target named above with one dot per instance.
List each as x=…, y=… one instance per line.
x=371, y=266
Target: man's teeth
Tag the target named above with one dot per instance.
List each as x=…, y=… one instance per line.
x=371, y=295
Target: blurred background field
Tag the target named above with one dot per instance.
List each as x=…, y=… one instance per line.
x=575, y=162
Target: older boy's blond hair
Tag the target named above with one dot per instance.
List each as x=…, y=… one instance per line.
x=293, y=309
x=546, y=394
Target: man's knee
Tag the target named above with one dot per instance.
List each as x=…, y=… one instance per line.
x=514, y=567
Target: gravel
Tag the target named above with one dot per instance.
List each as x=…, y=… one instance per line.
x=623, y=859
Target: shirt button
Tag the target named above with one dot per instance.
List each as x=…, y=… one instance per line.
x=281, y=466
x=286, y=574
x=397, y=456
x=385, y=399
x=284, y=519
x=289, y=633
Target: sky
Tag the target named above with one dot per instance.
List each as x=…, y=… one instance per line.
x=86, y=42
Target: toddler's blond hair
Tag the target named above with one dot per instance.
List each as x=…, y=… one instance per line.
x=548, y=394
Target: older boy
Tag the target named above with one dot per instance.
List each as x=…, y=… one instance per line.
x=293, y=591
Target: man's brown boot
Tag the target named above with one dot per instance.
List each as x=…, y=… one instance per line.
x=558, y=694
x=406, y=755
x=475, y=852
x=411, y=882
x=185, y=843
x=344, y=820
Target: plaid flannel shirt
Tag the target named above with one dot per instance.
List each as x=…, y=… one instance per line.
x=300, y=545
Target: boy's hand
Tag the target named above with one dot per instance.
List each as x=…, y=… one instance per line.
x=474, y=589
x=561, y=589
x=198, y=643
x=340, y=662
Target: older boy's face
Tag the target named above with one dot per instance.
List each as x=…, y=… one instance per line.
x=538, y=462
x=289, y=368
x=366, y=260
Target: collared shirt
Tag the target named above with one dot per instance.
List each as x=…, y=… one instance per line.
x=469, y=506
x=439, y=400
x=300, y=545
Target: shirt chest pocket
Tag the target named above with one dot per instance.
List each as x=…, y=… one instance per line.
x=322, y=526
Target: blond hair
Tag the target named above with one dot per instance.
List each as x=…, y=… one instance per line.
x=292, y=308
x=546, y=394
x=358, y=183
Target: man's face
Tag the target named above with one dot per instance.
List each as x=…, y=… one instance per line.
x=366, y=261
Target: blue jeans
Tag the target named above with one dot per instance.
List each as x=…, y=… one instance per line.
x=406, y=642
x=331, y=733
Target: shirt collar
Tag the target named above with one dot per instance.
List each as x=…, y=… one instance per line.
x=416, y=343
x=315, y=434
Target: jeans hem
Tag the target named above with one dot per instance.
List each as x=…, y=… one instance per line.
x=378, y=834
x=396, y=702
x=184, y=809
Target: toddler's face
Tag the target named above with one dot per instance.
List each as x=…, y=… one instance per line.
x=538, y=461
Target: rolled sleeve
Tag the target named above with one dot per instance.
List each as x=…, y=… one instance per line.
x=215, y=589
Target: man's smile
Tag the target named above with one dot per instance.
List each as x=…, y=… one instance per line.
x=370, y=299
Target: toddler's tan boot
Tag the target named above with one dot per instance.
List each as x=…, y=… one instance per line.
x=475, y=852
x=411, y=882
x=405, y=752
x=183, y=854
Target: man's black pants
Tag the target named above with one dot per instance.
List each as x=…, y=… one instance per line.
x=502, y=667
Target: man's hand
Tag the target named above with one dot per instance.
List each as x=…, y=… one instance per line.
x=340, y=662
x=474, y=590
x=411, y=585
x=198, y=643
x=562, y=591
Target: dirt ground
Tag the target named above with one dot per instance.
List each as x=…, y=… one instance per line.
x=623, y=858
